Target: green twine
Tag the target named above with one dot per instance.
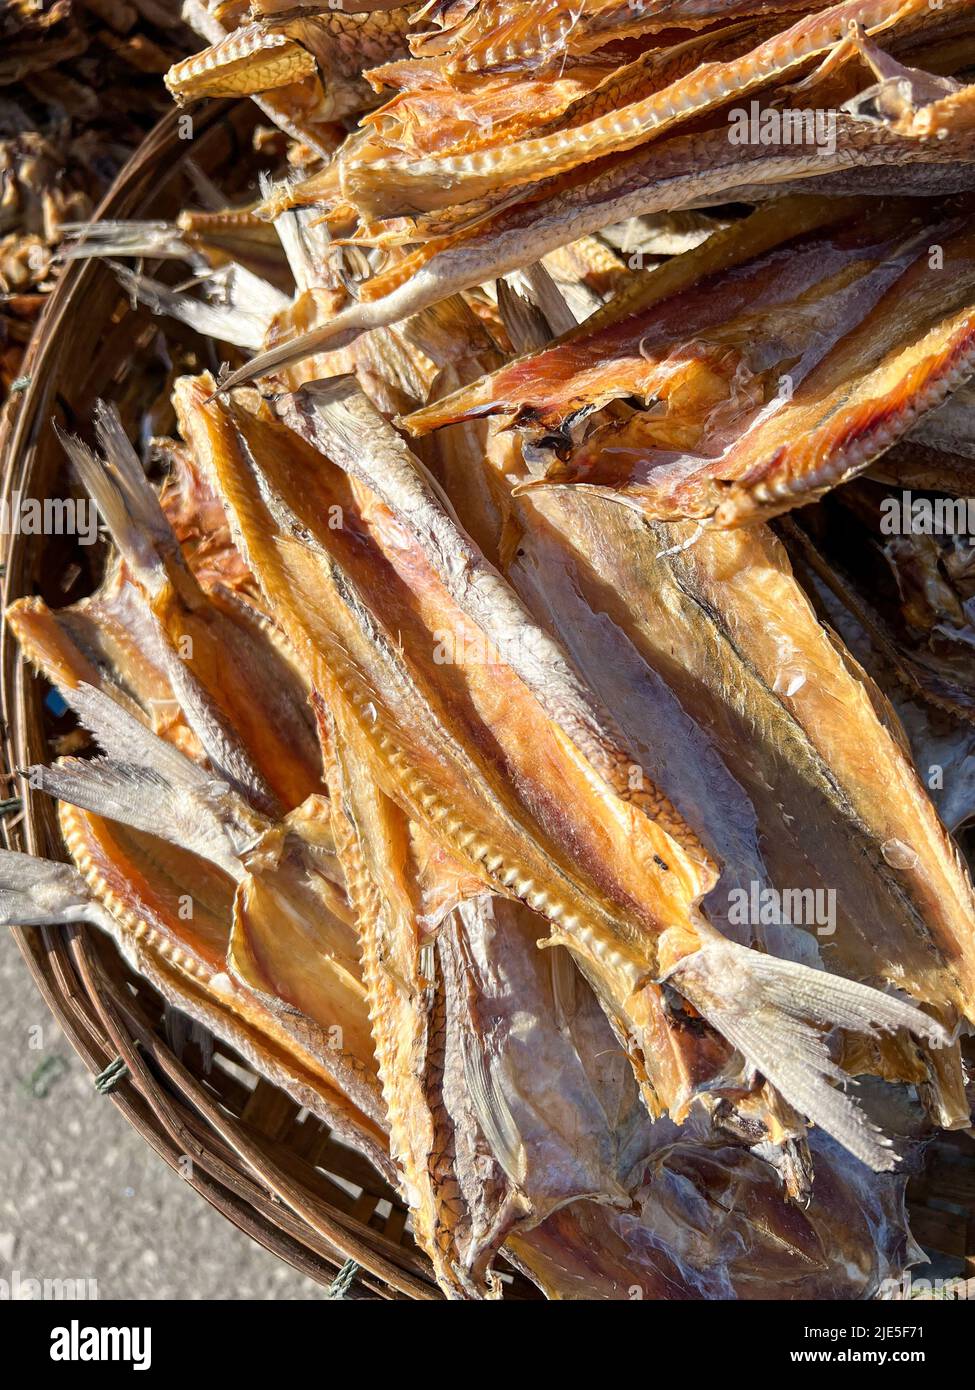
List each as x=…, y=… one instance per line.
x=108, y=1079
x=340, y=1285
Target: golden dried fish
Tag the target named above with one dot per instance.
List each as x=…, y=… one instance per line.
x=169, y=913
x=908, y=579
x=589, y=1250
x=378, y=623
x=684, y=171
x=508, y=1103
x=379, y=187
x=291, y=944
x=940, y=738
x=633, y=608
x=767, y=383
x=331, y=47
x=219, y=654
x=247, y=60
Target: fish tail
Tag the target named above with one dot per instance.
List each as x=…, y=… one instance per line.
x=777, y=1013
x=40, y=893
x=145, y=783
x=126, y=499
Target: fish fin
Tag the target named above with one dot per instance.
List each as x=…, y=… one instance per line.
x=225, y=750
x=125, y=498
x=772, y=1011
x=40, y=893
x=127, y=739
x=144, y=799
x=493, y=1112
x=242, y=315
x=221, y=823
x=338, y=332
x=532, y=308
x=524, y=322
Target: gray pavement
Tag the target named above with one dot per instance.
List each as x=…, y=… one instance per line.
x=82, y=1196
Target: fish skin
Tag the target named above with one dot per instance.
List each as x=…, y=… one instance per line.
x=429, y=116
x=542, y=33
x=293, y=945
x=102, y=641
x=591, y=1251
x=406, y=1009
x=335, y=418
x=629, y=314
x=662, y=587
x=571, y=546
x=290, y=942
x=717, y=577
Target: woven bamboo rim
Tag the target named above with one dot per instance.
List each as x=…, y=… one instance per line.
x=238, y=1140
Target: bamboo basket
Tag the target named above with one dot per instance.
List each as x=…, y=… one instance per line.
x=269, y=1167
x=244, y=1145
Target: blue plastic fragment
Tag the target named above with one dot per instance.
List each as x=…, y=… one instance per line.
x=55, y=703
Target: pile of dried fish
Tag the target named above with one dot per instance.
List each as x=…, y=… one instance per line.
x=469, y=753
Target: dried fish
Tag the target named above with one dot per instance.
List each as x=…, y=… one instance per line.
x=764, y=388
x=563, y=835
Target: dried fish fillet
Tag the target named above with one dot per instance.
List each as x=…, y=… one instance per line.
x=169, y=914
x=291, y=944
x=385, y=673
x=766, y=384
x=684, y=171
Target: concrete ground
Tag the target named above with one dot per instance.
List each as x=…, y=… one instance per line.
x=82, y=1196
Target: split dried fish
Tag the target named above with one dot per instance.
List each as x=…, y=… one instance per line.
x=547, y=834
